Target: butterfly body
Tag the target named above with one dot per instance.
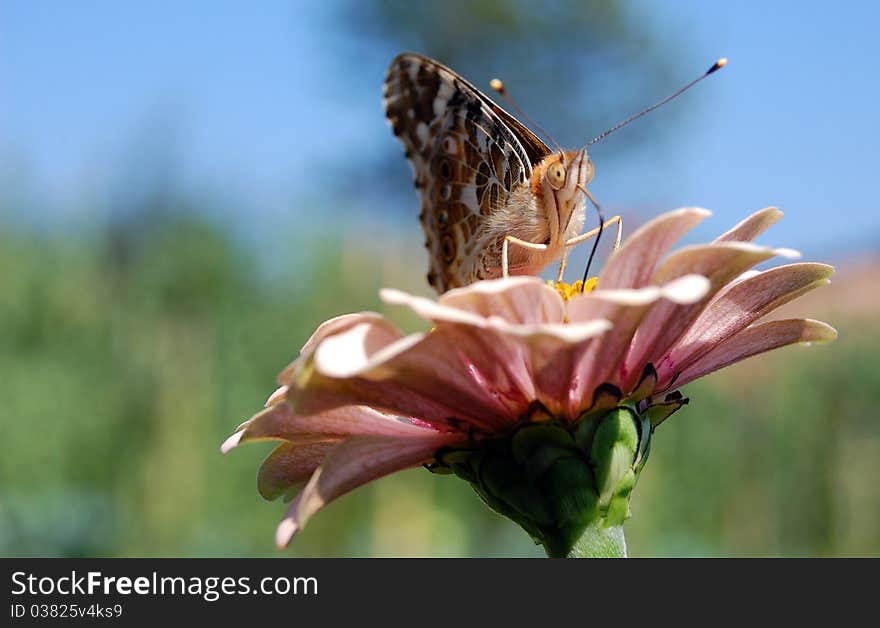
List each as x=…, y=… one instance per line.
x=536, y=212
x=482, y=176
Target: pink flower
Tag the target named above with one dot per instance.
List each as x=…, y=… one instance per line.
x=364, y=399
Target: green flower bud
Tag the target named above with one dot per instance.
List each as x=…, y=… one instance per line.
x=567, y=484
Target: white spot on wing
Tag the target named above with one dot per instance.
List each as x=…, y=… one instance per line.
x=413, y=71
x=469, y=198
x=442, y=98
x=422, y=133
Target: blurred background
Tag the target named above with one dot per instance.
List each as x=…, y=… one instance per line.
x=188, y=189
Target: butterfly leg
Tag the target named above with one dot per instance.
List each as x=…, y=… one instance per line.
x=505, y=267
x=589, y=234
x=562, y=264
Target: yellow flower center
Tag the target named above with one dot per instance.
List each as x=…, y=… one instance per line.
x=567, y=291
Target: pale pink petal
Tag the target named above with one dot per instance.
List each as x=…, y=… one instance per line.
x=291, y=463
x=567, y=333
x=634, y=263
x=361, y=350
x=598, y=362
x=279, y=394
x=683, y=290
x=517, y=300
x=504, y=306
x=497, y=363
x=752, y=227
x=430, y=309
x=433, y=386
x=522, y=369
x=450, y=379
x=242, y=436
x=739, y=305
x=483, y=374
x=458, y=377
x=506, y=366
x=338, y=324
x=666, y=321
x=280, y=422
x=354, y=462
x=746, y=275
x=552, y=363
x=380, y=328
x=435, y=365
x=757, y=339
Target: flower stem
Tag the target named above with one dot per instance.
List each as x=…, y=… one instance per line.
x=597, y=541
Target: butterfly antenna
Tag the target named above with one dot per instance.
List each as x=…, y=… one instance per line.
x=717, y=66
x=598, y=235
x=498, y=86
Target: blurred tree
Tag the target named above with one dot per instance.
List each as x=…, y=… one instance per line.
x=575, y=67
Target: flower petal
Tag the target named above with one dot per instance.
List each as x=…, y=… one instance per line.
x=241, y=436
x=599, y=362
x=280, y=422
x=338, y=324
x=737, y=306
x=552, y=363
x=331, y=327
x=683, y=290
x=752, y=227
x=666, y=321
x=521, y=306
x=354, y=462
x=360, y=350
x=430, y=309
x=634, y=263
x=517, y=300
x=757, y=339
x=279, y=395
x=449, y=378
x=482, y=375
x=291, y=463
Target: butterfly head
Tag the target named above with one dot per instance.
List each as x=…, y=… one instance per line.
x=556, y=181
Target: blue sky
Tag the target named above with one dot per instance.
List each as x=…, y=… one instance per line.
x=258, y=105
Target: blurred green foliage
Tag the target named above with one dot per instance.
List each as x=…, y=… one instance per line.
x=129, y=355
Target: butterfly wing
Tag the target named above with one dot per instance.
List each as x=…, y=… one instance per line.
x=467, y=154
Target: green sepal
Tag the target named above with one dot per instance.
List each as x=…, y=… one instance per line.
x=507, y=481
x=646, y=431
x=569, y=488
x=618, y=508
x=545, y=457
x=659, y=411
x=614, y=450
x=584, y=431
x=568, y=484
x=438, y=468
x=529, y=437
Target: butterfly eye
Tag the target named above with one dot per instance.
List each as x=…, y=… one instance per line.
x=556, y=175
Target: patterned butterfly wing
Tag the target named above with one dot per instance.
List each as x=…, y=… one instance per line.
x=467, y=154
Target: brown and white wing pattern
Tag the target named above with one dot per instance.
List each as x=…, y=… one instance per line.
x=467, y=155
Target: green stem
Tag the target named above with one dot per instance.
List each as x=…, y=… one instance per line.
x=597, y=541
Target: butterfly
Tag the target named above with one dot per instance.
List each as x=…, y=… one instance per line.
x=495, y=199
